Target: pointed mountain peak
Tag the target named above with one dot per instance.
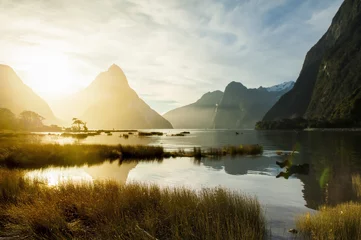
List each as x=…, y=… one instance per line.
x=109, y=80
x=115, y=68
x=115, y=73
x=235, y=86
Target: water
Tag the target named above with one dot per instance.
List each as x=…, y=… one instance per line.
x=333, y=157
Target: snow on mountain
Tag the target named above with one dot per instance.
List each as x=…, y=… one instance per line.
x=280, y=87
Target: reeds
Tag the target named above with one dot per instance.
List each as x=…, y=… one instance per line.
x=148, y=134
x=107, y=210
x=340, y=222
x=36, y=155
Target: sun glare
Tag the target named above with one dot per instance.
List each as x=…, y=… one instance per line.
x=49, y=72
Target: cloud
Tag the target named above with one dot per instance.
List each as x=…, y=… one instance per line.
x=171, y=50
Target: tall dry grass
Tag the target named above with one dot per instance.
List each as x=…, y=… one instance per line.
x=339, y=222
x=107, y=210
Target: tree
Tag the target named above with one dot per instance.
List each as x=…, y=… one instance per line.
x=7, y=119
x=30, y=120
x=77, y=123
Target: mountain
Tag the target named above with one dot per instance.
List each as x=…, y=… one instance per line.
x=109, y=102
x=17, y=97
x=242, y=107
x=329, y=85
x=281, y=87
x=196, y=115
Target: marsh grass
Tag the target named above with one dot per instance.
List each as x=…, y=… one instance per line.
x=356, y=185
x=36, y=155
x=107, y=210
x=148, y=134
x=80, y=135
x=340, y=222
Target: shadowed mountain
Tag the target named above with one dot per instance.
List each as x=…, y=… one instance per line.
x=196, y=115
x=242, y=107
x=18, y=97
x=109, y=102
x=329, y=85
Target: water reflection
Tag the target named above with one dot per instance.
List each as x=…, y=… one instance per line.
x=54, y=176
x=334, y=160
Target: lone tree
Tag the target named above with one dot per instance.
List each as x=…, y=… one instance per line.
x=77, y=123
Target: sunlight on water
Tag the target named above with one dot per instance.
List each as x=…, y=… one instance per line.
x=56, y=176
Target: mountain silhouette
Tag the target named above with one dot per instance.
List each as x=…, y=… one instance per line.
x=18, y=97
x=242, y=107
x=109, y=102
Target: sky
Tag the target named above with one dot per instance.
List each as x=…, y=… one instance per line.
x=172, y=51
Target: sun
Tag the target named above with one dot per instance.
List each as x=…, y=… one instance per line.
x=49, y=72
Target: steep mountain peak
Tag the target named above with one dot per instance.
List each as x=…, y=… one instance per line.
x=110, y=80
x=330, y=73
x=115, y=69
x=235, y=86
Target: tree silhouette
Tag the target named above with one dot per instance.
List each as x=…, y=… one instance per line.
x=30, y=120
x=77, y=123
x=7, y=119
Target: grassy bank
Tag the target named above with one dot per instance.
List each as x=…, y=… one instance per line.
x=35, y=155
x=340, y=222
x=107, y=210
x=335, y=222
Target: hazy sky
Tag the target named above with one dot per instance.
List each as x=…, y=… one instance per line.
x=172, y=51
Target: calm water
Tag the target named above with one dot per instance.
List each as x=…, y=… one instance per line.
x=333, y=157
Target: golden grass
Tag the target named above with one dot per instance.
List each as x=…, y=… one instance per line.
x=356, y=184
x=340, y=222
x=36, y=155
x=107, y=210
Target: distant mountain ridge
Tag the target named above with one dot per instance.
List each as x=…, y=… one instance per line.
x=281, y=87
x=242, y=107
x=109, y=102
x=329, y=85
x=237, y=107
x=197, y=115
x=18, y=97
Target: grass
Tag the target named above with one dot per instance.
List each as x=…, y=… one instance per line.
x=82, y=135
x=335, y=222
x=148, y=134
x=36, y=155
x=107, y=210
x=356, y=185
x=340, y=222
x=178, y=135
